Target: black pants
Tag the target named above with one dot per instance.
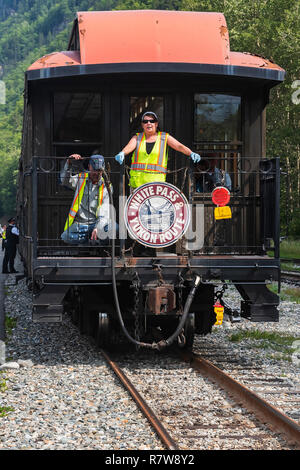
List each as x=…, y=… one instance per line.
x=9, y=258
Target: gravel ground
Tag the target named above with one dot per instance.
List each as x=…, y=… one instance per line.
x=198, y=414
x=63, y=396
x=257, y=351
x=205, y=417
x=62, y=393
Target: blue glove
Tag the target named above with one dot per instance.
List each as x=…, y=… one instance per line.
x=195, y=157
x=120, y=157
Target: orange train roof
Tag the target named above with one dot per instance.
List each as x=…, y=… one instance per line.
x=152, y=36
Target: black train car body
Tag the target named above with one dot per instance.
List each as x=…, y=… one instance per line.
x=90, y=98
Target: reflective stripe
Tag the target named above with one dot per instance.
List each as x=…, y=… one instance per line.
x=158, y=166
x=148, y=167
x=140, y=137
x=101, y=192
x=163, y=146
x=78, y=197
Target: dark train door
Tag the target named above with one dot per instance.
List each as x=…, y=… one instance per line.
x=77, y=127
x=174, y=117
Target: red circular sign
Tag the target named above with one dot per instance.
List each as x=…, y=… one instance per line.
x=220, y=196
x=157, y=214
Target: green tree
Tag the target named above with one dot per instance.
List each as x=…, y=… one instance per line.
x=30, y=29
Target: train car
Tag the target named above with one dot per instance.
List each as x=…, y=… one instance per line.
x=159, y=286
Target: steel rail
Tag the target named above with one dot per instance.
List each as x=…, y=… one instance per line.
x=290, y=260
x=290, y=275
x=267, y=413
x=147, y=411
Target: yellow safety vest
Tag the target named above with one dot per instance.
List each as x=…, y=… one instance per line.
x=148, y=168
x=4, y=234
x=78, y=197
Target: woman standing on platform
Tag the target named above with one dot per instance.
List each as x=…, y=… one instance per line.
x=150, y=158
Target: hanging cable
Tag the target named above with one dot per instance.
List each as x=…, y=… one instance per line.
x=163, y=343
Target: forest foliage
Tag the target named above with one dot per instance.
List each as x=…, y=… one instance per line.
x=30, y=29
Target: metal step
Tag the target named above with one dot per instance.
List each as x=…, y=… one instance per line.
x=48, y=304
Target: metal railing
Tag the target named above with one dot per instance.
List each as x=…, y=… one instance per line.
x=252, y=229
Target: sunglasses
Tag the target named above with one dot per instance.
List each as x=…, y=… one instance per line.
x=144, y=121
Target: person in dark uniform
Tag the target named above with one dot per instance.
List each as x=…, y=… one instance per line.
x=12, y=239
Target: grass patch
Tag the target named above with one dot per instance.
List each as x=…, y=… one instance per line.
x=10, y=324
x=4, y=410
x=289, y=294
x=292, y=293
x=280, y=357
x=283, y=344
x=290, y=267
x=3, y=385
x=7, y=291
x=263, y=335
x=290, y=249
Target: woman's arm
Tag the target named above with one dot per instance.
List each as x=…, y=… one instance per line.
x=131, y=146
x=174, y=144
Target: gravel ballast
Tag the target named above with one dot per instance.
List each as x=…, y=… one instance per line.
x=61, y=391
x=60, y=394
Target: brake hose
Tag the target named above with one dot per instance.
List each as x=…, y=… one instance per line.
x=163, y=343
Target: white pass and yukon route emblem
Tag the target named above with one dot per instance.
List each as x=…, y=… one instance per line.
x=157, y=214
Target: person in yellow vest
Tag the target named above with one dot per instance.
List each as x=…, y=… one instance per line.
x=3, y=237
x=150, y=158
x=88, y=217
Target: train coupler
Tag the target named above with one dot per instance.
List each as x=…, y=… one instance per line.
x=160, y=345
x=161, y=299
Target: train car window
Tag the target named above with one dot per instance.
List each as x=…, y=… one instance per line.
x=217, y=117
x=77, y=117
x=139, y=105
x=217, y=137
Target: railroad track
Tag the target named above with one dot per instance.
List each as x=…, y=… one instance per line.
x=290, y=260
x=266, y=412
x=293, y=277
x=290, y=276
x=142, y=404
x=183, y=419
